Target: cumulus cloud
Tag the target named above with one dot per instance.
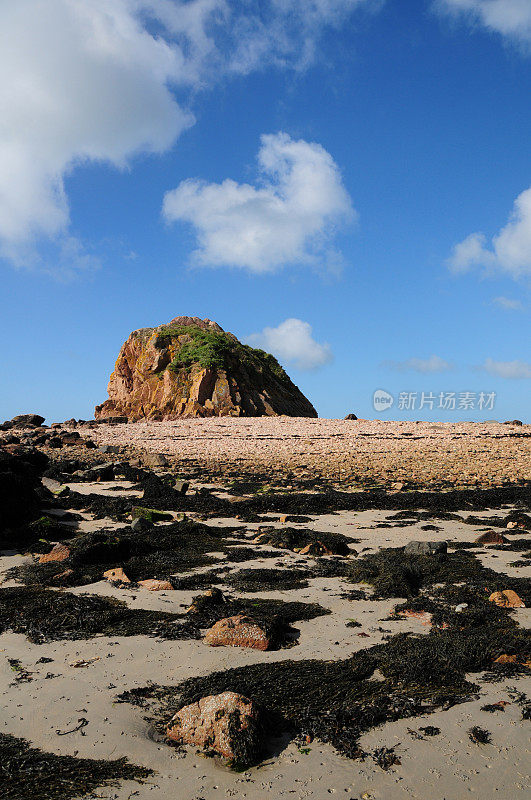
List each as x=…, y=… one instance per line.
x=507, y=369
x=432, y=364
x=103, y=80
x=510, y=250
x=510, y=18
x=507, y=304
x=289, y=217
x=292, y=343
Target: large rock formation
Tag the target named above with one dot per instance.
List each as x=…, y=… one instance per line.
x=192, y=368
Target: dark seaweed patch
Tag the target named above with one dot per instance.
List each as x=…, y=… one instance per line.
x=298, y=538
x=28, y=772
x=257, y=580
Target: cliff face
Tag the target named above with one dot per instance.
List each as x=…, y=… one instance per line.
x=192, y=368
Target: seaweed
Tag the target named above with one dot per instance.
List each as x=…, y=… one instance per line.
x=298, y=538
x=26, y=771
x=257, y=580
x=44, y=615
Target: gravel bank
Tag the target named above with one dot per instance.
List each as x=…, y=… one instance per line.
x=348, y=451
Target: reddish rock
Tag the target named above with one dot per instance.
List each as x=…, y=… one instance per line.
x=507, y=599
x=316, y=549
x=59, y=552
x=165, y=372
x=424, y=617
x=491, y=537
x=238, y=631
x=116, y=574
x=153, y=585
x=226, y=724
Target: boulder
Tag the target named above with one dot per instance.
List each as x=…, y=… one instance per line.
x=351, y=416
x=27, y=421
x=191, y=367
x=507, y=599
x=491, y=537
x=59, y=552
x=141, y=524
x=425, y=548
x=153, y=585
x=226, y=724
x=238, y=631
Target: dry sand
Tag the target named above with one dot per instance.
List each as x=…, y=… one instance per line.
x=356, y=451
x=446, y=767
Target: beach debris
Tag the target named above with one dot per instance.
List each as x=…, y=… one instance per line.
x=116, y=575
x=238, y=631
x=493, y=707
x=507, y=599
x=430, y=730
x=82, y=723
x=150, y=514
x=425, y=548
x=59, y=552
x=461, y=607
x=227, y=724
x=153, y=585
x=84, y=662
x=479, y=735
x=304, y=541
x=385, y=757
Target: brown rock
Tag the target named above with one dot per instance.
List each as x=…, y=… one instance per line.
x=153, y=585
x=151, y=381
x=424, y=617
x=505, y=659
x=59, y=552
x=116, y=574
x=238, y=631
x=507, y=599
x=315, y=549
x=491, y=537
x=227, y=724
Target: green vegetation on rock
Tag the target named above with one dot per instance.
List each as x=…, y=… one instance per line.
x=216, y=350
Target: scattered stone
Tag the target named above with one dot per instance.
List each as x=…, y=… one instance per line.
x=141, y=524
x=154, y=460
x=506, y=659
x=397, y=486
x=316, y=549
x=153, y=585
x=59, y=552
x=461, y=607
x=424, y=617
x=117, y=574
x=238, y=631
x=351, y=416
x=226, y=724
x=507, y=599
x=415, y=548
x=181, y=486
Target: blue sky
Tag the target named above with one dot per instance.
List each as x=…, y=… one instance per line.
x=343, y=182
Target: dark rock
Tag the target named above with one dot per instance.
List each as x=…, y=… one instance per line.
x=351, y=416
x=425, y=548
x=181, y=486
x=27, y=420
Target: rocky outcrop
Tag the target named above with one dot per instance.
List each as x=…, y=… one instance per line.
x=192, y=368
x=238, y=631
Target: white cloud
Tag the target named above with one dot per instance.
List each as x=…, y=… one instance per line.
x=507, y=369
x=292, y=342
x=431, y=364
x=510, y=18
x=97, y=80
x=508, y=304
x=510, y=250
x=288, y=218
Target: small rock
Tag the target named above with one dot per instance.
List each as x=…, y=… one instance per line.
x=181, y=486
x=116, y=574
x=154, y=460
x=153, y=585
x=227, y=724
x=315, y=549
x=461, y=607
x=505, y=659
x=351, y=416
x=150, y=514
x=425, y=548
x=397, y=486
x=238, y=631
x=507, y=599
x=59, y=552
